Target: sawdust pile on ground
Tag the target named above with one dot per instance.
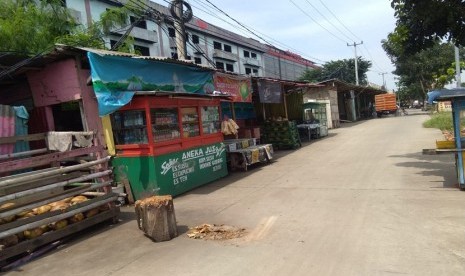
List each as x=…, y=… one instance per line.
x=215, y=232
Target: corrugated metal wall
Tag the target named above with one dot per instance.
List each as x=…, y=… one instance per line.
x=7, y=127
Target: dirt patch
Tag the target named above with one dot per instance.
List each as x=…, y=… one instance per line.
x=216, y=232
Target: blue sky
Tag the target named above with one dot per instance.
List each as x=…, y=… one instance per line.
x=316, y=34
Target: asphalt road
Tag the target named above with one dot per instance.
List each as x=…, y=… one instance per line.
x=363, y=201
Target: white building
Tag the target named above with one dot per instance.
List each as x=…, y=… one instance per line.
x=206, y=44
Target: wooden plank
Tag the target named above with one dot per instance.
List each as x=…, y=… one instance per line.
x=30, y=245
x=14, y=139
x=45, y=159
x=127, y=187
x=23, y=153
x=38, y=183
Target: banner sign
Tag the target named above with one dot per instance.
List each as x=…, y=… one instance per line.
x=116, y=79
x=239, y=87
x=185, y=170
x=269, y=91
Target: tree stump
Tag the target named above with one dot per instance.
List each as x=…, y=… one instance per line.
x=155, y=216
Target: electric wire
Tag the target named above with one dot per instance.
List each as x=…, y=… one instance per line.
x=323, y=27
x=281, y=44
x=327, y=20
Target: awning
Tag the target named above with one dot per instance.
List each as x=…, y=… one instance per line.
x=445, y=95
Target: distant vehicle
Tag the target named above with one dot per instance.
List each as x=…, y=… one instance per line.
x=417, y=104
x=385, y=104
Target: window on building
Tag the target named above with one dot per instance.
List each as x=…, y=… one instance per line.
x=141, y=24
x=251, y=71
x=229, y=67
x=219, y=65
x=171, y=32
x=195, y=39
x=174, y=55
x=227, y=48
x=144, y=51
x=216, y=45
x=253, y=55
x=198, y=60
x=246, y=54
x=188, y=57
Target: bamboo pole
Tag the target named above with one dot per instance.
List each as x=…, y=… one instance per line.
x=23, y=153
x=30, y=177
x=55, y=185
x=285, y=102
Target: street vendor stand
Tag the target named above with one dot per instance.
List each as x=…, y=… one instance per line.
x=165, y=123
x=457, y=98
x=246, y=151
x=314, y=123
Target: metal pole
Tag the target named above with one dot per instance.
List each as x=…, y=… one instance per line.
x=180, y=32
x=457, y=67
x=356, y=59
x=384, y=82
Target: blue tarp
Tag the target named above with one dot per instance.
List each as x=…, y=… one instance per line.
x=445, y=94
x=116, y=79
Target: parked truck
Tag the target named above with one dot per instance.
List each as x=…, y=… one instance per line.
x=385, y=104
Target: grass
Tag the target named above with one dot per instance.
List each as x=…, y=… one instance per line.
x=442, y=120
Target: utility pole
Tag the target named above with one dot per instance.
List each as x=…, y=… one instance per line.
x=384, y=83
x=356, y=59
x=180, y=31
x=457, y=67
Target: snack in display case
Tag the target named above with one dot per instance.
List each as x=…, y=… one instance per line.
x=210, y=119
x=190, y=122
x=165, y=124
x=129, y=127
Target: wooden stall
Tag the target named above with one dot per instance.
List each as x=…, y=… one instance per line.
x=47, y=194
x=57, y=181
x=169, y=144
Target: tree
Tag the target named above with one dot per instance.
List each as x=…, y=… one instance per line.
x=425, y=22
x=33, y=27
x=421, y=71
x=341, y=69
x=30, y=27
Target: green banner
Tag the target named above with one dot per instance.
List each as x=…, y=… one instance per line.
x=186, y=170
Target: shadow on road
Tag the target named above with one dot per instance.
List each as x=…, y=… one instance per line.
x=432, y=165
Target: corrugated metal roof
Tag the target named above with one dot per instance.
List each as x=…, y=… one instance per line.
x=60, y=47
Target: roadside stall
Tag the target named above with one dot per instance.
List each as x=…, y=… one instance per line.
x=55, y=180
x=314, y=123
x=165, y=121
x=457, y=98
x=278, y=129
x=247, y=150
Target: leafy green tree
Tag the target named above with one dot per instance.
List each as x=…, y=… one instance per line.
x=423, y=23
x=421, y=71
x=339, y=69
x=33, y=27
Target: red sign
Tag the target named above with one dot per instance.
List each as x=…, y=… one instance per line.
x=239, y=87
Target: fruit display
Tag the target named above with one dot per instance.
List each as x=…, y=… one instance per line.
x=282, y=134
x=61, y=205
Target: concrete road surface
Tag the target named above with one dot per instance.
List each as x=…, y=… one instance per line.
x=363, y=201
